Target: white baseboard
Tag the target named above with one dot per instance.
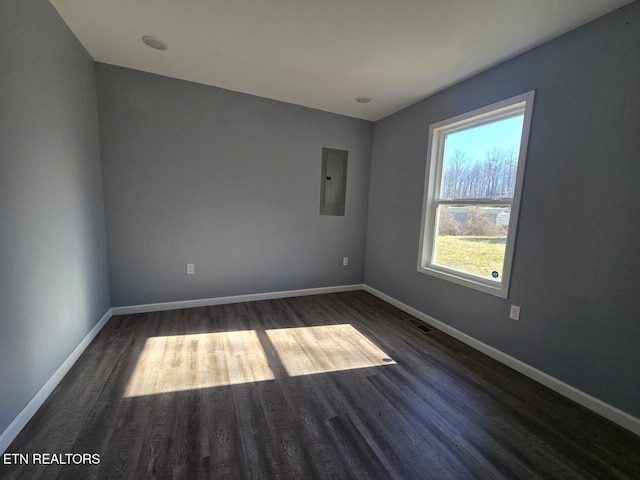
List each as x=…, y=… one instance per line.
x=206, y=302
x=592, y=403
x=14, y=428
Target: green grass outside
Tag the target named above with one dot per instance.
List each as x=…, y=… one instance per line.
x=476, y=255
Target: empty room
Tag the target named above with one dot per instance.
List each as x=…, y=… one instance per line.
x=320, y=239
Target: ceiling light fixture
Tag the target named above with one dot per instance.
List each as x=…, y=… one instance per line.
x=363, y=99
x=154, y=43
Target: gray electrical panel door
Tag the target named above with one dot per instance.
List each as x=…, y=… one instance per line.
x=333, y=192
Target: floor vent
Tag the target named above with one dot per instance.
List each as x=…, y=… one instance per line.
x=415, y=323
x=424, y=329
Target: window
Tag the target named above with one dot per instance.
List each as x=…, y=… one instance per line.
x=472, y=195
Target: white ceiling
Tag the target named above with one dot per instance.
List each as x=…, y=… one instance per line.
x=323, y=53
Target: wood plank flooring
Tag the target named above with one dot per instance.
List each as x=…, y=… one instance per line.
x=337, y=386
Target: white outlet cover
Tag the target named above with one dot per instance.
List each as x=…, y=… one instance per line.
x=190, y=268
x=515, y=312
x=345, y=261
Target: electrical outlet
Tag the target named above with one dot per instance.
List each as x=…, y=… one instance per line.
x=190, y=269
x=515, y=312
x=345, y=261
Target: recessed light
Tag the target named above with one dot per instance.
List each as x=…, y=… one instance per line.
x=363, y=99
x=153, y=42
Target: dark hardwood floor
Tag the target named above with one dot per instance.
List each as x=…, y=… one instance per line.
x=328, y=387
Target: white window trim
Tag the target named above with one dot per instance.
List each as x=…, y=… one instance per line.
x=487, y=114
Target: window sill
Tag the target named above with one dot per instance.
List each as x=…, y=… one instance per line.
x=492, y=288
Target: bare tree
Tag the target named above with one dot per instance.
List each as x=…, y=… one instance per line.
x=453, y=175
x=491, y=177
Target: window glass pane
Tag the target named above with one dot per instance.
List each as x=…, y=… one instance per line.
x=481, y=162
x=472, y=239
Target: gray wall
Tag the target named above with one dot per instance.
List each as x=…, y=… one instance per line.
x=227, y=181
x=577, y=260
x=53, y=276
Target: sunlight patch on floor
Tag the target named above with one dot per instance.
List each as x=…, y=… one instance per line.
x=326, y=348
x=186, y=362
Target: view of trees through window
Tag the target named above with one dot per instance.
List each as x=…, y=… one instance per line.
x=493, y=176
x=477, y=186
